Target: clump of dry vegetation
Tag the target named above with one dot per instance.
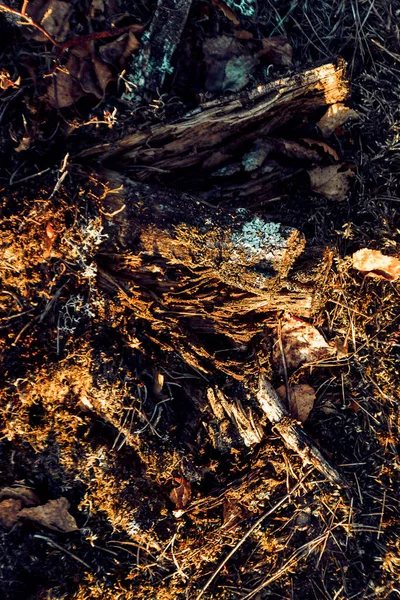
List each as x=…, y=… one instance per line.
x=129, y=384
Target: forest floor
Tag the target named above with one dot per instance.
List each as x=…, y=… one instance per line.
x=116, y=429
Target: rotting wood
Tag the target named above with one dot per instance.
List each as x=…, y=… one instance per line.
x=243, y=418
x=152, y=63
x=173, y=244
x=219, y=132
x=292, y=432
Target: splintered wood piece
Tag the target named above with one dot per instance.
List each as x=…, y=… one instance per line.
x=243, y=419
x=292, y=432
x=150, y=66
x=209, y=136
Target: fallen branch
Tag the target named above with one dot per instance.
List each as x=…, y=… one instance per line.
x=292, y=432
x=220, y=132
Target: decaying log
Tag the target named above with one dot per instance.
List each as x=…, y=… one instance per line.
x=166, y=231
x=152, y=63
x=292, y=432
x=194, y=272
x=218, y=133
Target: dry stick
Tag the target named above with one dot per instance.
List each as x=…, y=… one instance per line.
x=250, y=531
x=30, y=21
x=292, y=432
x=59, y=547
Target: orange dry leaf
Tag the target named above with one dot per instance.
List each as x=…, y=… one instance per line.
x=54, y=515
x=181, y=495
x=302, y=343
x=6, y=81
x=375, y=264
x=227, y=11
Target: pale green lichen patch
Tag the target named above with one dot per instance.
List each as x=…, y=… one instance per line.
x=260, y=240
x=246, y=7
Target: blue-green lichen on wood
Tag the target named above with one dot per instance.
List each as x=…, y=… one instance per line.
x=259, y=238
x=246, y=7
x=143, y=64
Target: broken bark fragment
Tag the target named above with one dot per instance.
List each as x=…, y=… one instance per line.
x=292, y=432
x=239, y=249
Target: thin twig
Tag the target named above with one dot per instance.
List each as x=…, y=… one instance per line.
x=53, y=543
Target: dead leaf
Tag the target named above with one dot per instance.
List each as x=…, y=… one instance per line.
x=336, y=115
x=302, y=398
x=24, y=144
x=323, y=145
x=64, y=89
x=97, y=8
x=131, y=46
x=103, y=73
x=117, y=52
x=227, y=11
x=53, y=16
x=54, y=515
x=375, y=264
x=181, y=495
x=302, y=343
x=341, y=347
x=229, y=64
x=22, y=493
x=277, y=50
x=292, y=149
x=242, y=34
x=50, y=233
x=49, y=240
x=333, y=182
x=10, y=510
x=6, y=81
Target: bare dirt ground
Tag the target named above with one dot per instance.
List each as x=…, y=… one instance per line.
x=102, y=403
